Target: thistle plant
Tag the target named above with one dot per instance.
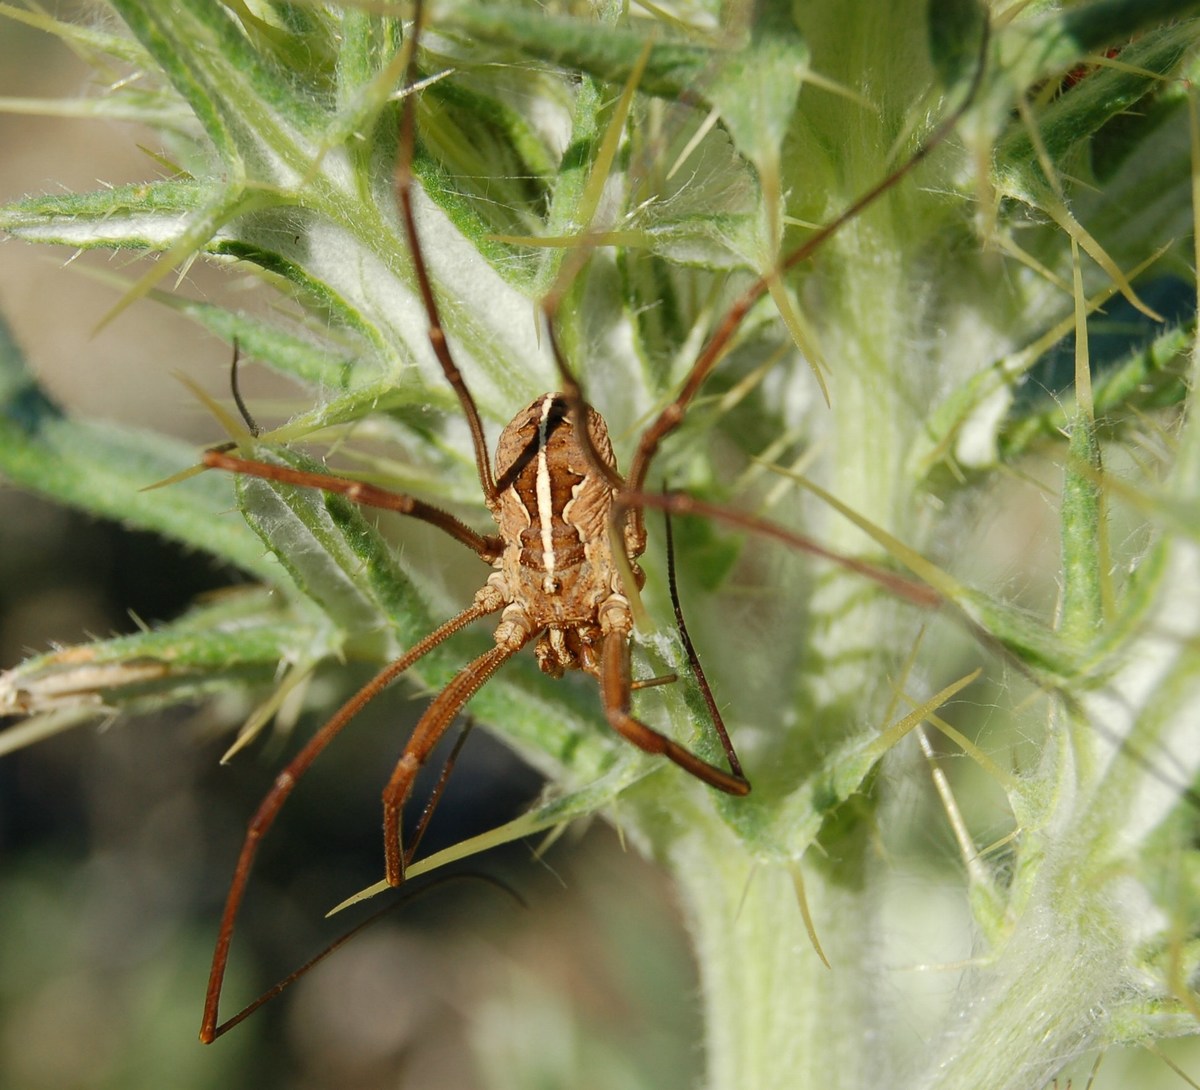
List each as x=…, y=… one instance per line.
x=1010, y=322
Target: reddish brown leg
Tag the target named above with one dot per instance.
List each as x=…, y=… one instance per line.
x=668, y=420
x=358, y=929
x=487, y=546
x=680, y=503
x=672, y=415
x=614, y=692
x=269, y=808
x=435, y=796
x=429, y=729
x=714, y=712
x=437, y=335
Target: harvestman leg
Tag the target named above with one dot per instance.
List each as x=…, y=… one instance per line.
x=714, y=713
x=672, y=415
x=615, y=687
x=286, y=781
x=487, y=546
x=437, y=335
x=428, y=731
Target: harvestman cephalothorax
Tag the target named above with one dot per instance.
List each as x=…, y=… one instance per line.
x=560, y=504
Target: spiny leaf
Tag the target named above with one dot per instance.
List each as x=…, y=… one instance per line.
x=103, y=469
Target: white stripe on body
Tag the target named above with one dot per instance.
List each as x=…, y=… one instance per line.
x=545, y=501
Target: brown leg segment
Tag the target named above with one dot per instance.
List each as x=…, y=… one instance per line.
x=437, y=335
x=614, y=691
x=487, y=546
x=429, y=729
x=269, y=809
x=435, y=796
x=714, y=713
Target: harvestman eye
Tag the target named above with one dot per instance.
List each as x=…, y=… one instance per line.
x=556, y=495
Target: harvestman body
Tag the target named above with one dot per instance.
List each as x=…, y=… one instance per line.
x=557, y=574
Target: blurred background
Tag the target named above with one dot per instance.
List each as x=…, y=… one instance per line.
x=117, y=840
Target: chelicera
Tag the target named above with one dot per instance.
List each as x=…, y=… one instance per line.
x=570, y=530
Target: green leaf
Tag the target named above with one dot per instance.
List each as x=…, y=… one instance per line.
x=675, y=68
x=1082, y=512
x=142, y=215
x=335, y=558
x=1081, y=111
x=104, y=469
x=231, y=73
x=213, y=648
x=1147, y=378
x=755, y=88
x=955, y=27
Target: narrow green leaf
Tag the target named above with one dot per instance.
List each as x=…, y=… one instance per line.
x=142, y=215
x=103, y=469
x=335, y=558
x=209, y=649
x=86, y=38
x=323, y=365
x=160, y=43
x=1097, y=98
x=214, y=67
x=676, y=69
x=1081, y=514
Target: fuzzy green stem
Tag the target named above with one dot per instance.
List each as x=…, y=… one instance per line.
x=776, y=1016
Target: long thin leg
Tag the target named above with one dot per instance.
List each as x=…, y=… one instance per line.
x=269, y=808
x=236, y=390
x=411, y=894
x=435, y=796
x=251, y=424
x=668, y=420
x=614, y=691
x=437, y=335
x=915, y=590
x=429, y=729
x=714, y=712
x=487, y=546
x=671, y=416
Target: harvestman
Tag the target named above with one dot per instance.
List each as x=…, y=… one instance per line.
x=555, y=494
